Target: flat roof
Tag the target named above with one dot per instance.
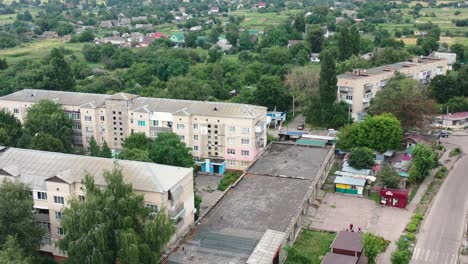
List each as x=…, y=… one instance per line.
x=347, y=240
x=333, y=258
x=268, y=197
x=140, y=104
x=388, y=68
x=349, y=181
x=36, y=167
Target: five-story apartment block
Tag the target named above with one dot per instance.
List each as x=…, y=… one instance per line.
x=221, y=135
x=357, y=88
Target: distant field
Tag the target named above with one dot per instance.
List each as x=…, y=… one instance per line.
x=37, y=49
x=259, y=21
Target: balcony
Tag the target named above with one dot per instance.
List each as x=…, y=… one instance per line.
x=367, y=98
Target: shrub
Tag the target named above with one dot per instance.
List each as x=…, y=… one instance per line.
x=411, y=227
x=455, y=152
x=228, y=180
x=411, y=237
x=441, y=173
x=361, y=158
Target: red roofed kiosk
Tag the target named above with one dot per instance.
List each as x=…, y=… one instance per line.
x=394, y=197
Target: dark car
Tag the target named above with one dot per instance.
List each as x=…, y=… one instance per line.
x=443, y=134
x=300, y=126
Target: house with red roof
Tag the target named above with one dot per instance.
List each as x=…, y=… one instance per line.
x=455, y=121
x=157, y=35
x=261, y=5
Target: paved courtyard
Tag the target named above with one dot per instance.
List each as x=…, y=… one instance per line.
x=207, y=187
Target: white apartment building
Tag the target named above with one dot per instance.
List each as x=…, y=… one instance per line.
x=357, y=88
x=55, y=178
x=221, y=135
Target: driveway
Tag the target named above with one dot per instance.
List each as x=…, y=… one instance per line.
x=207, y=187
x=338, y=211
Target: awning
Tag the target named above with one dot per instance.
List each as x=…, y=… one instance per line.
x=311, y=142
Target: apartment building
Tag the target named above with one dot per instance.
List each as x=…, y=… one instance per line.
x=55, y=178
x=221, y=135
x=357, y=88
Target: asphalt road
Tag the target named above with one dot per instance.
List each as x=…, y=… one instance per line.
x=441, y=234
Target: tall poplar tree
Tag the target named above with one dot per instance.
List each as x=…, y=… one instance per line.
x=355, y=40
x=113, y=225
x=327, y=86
x=57, y=74
x=344, y=43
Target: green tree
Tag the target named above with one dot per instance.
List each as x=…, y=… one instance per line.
x=424, y=159
x=389, y=177
x=232, y=36
x=459, y=49
x=272, y=93
x=406, y=100
x=373, y=246
x=46, y=142
x=299, y=22
x=12, y=253
x=10, y=129
x=168, y=149
x=361, y=158
x=135, y=154
x=327, y=86
x=116, y=224
x=137, y=141
x=345, y=45
x=215, y=54
x=380, y=132
x=105, y=151
x=188, y=88
x=16, y=216
x=64, y=28
x=442, y=88
x=47, y=117
x=355, y=40
x=3, y=64
x=94, y=149
x=57, y=74
x=244, y=41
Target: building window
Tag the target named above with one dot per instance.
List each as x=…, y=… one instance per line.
x=245, y=153
x=152, y=207
x=74, y=116
x=87, y=118
x=60, y=231
x=16, y=110
x=195, y=126
x=141, y=123
x=231, y=151
x=155, y=123
x=131, y=120
x=182, y=137
x=232, y=129
x=230, y=163
x=102, y=118
x=58, y=215
x=231, y=141
x=76, y=126
x=154, y=133
x=59, y=200
x=349, y=97
x=245, y=130
x=89, y=129
x=195, y=148
x=180, y=126
x=81, y=198
x=244, y=164
x=245, y=141
x=41, y=196
x=195, y=137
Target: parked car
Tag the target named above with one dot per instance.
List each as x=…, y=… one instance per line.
x=300, y=126
x=443, y=134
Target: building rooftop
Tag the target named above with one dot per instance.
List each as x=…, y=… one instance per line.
x=140, y=104
x=350, y=181
x=347, y=240
x=332, y=258
x=35, y=167
x=262, y=204
x=364, y=73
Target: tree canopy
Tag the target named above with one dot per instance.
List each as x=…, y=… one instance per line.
x=380, y=132
x=12, y=253
x=361, y=158
x=170, y=150
x=389, y=177
x=113, y=223
x=10, y=129
x=424, y=160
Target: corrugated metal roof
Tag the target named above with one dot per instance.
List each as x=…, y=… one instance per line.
x=350, y=181
x=311, y=142
x=35, y=167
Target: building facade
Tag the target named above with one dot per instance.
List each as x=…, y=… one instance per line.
x=357, y=88
x=55, y=178
x=221, y=135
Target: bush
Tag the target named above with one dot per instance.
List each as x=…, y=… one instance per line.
x=455, y=152
x=228, y=180
x=411, y=227
x=441, y=173
x=198, y=201
x=411, y=237
x=361, y=158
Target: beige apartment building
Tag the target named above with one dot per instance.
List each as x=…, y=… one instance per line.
x=221, y=135
x=357, y=88
x=55, y=178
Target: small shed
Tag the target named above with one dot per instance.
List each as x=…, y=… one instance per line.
x=332, y=258
x=347, y=243
x=349, y=185
x=394, y=197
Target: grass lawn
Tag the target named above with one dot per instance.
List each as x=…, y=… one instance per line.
x=312, y=245
x=259, y=21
